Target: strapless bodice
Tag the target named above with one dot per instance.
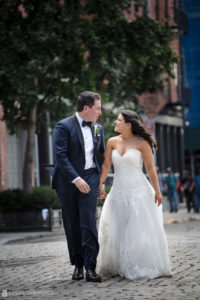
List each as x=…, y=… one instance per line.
x=131, y=158
x=128, y=168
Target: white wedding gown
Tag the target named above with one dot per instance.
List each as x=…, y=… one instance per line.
x=131, y=235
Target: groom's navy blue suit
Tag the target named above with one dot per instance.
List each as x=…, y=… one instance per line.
x=78, y=209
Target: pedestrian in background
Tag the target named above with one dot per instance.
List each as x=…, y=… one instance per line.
x=188, y=189
x=179, y=191
x=197, y=192
x=171, y=188
x=161, y=180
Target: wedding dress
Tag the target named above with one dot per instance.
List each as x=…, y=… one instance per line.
x=131, y=235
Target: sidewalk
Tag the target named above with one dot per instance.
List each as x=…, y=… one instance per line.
x=14, y=237
x=181, y=216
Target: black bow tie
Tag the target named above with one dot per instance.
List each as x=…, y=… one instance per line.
x=84, y=123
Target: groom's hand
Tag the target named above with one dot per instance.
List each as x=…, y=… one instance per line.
x=82, y=186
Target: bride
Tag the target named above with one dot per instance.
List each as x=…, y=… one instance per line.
x=131, y=234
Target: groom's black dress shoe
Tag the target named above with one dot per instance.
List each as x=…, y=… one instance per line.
x=92, y=276
x=78, y=274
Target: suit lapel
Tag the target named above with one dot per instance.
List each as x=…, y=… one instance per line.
x=79, y=132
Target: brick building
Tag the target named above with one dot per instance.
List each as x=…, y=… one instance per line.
x=164, y=110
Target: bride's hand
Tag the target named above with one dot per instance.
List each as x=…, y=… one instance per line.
x=102, y=193
x=158, y=198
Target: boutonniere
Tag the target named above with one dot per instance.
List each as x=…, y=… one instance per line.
x=96, y=130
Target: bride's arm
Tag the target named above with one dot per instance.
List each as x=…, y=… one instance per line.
x=106, y=164
x=151, y=171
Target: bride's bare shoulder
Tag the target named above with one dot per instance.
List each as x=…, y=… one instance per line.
x=144, y=145
x=113, y=141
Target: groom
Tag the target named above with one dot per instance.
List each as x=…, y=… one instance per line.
x=78, y=153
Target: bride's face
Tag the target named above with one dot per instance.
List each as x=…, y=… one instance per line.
x=119, y=124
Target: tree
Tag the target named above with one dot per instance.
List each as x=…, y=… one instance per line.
x=54, y=49
x=38, y=49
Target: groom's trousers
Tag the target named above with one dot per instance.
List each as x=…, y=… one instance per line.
x=79, y=220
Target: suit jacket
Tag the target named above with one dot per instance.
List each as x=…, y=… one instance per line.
x=69, y=152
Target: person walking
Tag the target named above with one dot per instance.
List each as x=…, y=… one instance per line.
x=171, y=186
x=78, y=143
x=188, y=189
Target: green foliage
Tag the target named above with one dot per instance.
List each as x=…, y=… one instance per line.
x=100, y=202
x=12, y=200
x=130, y=56
x=44, y=197
x=53, y=51
x=140, y=2
x=107, y=188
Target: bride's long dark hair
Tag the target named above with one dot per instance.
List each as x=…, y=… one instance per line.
x=138, y=128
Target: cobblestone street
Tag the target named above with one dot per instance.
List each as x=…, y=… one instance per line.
x=39, y=268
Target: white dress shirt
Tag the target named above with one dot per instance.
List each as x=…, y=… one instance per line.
x=88, y=145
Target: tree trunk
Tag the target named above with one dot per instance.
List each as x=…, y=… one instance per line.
x=28, y=161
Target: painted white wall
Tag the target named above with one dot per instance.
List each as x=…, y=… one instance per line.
x=16, y=146
x=15, y=155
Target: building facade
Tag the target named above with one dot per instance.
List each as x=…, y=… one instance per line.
x=12, y=149
x=164, y=110
x=191, y=84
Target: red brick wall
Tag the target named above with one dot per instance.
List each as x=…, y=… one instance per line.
x=175, y=90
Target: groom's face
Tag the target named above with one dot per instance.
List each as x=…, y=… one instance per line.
x=92, y=113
